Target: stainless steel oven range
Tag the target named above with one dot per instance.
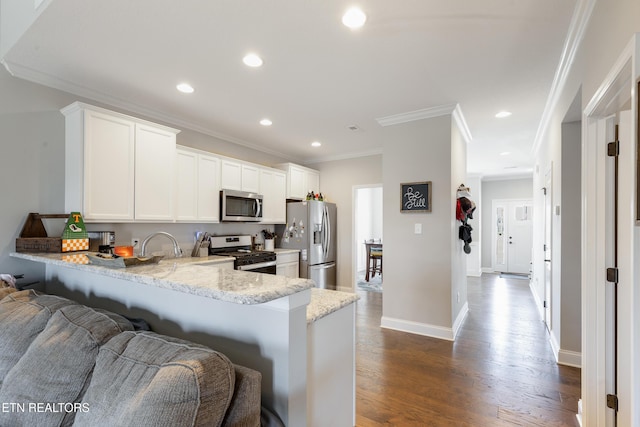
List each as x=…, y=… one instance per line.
x=246, y=259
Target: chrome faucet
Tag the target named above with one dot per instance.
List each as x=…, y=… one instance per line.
x=176, y=248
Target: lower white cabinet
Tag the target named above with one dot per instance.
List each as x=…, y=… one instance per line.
x=288, y=264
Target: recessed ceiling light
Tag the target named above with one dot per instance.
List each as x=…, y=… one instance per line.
x=354, y=18
x=185, y=88
x=252, y=60
x=266, y=122
x=503, y=114
x=505, y=153
x=316, y=144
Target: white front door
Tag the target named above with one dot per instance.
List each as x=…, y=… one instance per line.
x=512, y=220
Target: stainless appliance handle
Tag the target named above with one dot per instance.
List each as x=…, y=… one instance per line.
x=324, y=232
x=249, y=267
x=328, y=231
x=258, y=208
x=324, y=266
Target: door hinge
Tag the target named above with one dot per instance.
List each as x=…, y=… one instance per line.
x=544, y=247
x=612, y=402
x=544, y=304
x=613, y=148
x=612, y=275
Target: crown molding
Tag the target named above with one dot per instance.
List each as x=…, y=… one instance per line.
x=373, y=152
x=577, y=28
x=35, y=76
x=425, y=113
x=462, y=124
x=428, y=113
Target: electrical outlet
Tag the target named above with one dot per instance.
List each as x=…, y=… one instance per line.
x=135, y=241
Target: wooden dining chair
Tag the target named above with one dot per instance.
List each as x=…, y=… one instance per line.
x=374, y=258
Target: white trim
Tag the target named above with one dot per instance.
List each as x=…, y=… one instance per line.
x=488, y=270
x=417, y=328
x=346, y=156
x=577, y=28
x=460, y=318
x=39, y=77
x=462, y=124
x=570, y=358
x=475, y=273
x=511, y=177
x=425, y=113
x=536, y=298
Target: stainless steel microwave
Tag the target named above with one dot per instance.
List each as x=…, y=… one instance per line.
x=240, y=206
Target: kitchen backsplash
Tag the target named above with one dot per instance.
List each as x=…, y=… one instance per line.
x=184, y=233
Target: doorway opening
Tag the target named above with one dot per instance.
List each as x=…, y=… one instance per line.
x=367, y=226
x=512, y=235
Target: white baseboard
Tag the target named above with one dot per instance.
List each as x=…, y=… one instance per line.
x=570, y=358
x=417, y=328
x=488, y=270
x=565, y=357
x=539, y=304
x=475, y=273
x=460, y=318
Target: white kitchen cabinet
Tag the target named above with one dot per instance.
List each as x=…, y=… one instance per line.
x=300, y=180
x=288, y=264
x=236, y=175
x=197, y=186
x=273, y=187
x=250, y=178
x=117, y=168
x=154, y=173
x=231, y=175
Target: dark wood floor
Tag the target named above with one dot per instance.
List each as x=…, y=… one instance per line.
x=499, y=372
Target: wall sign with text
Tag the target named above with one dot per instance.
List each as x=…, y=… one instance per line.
x=415, y=197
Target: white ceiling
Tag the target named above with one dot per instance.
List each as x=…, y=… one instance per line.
x=318, y=77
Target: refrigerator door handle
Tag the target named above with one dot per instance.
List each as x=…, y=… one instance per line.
x=325, y=228
x=328, y=230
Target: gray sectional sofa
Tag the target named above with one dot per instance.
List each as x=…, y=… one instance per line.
x=66, y=364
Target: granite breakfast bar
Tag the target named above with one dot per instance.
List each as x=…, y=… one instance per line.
x=290, y=331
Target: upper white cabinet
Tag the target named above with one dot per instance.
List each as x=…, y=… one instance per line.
x=239, y=176
x=117, y=168
x=197, y=186
x=154, y=172
x=300, y=180
x=273, y=187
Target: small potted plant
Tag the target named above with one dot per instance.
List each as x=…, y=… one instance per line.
x=269, y=237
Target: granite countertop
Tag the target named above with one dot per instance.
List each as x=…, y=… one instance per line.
x=325, y=301
x=194, y=276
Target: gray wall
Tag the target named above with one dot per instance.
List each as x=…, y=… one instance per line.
x=496, y=190
x=419, y=266
x=568, y=294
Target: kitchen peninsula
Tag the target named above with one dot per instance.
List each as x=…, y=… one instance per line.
x=285, y=328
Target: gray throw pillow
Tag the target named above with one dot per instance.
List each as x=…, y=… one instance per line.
x=144, y=379
x=23, y=315
x=52, y=376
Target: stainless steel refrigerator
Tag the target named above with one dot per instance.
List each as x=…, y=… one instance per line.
x=311, y=228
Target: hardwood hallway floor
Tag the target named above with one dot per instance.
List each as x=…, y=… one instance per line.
x=499, y=372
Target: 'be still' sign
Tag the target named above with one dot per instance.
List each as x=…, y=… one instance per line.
x=416, y=197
